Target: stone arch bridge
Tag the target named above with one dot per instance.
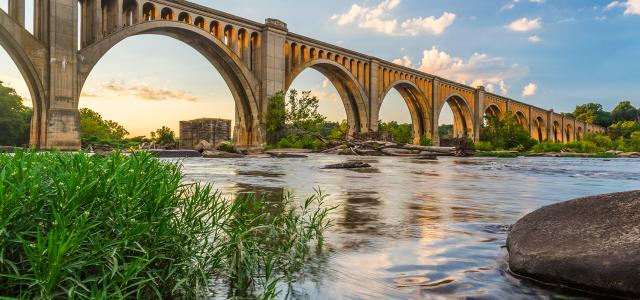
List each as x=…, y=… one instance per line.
x=256, y=60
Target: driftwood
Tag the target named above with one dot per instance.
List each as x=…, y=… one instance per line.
x=378, y=148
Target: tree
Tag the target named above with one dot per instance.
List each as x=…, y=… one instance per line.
x=623, y=129
x=302, y=113
x=164, y=136
x=505, y=133
x=592, y=113
x=445, y=131
x=625, y=112
x=93, y=128
x=276, y=118
x=401, y=133
x=15, y=118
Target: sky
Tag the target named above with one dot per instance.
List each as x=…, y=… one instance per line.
x=549, y=53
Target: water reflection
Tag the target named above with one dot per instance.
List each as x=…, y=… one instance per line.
x=418, y=229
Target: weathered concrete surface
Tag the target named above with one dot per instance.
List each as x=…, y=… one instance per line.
x=590, y=243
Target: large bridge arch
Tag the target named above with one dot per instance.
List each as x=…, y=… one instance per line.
x=418, y=104
x=493, y=111
x=24, y=60
x=463, y=122
x=242, y=83
x=353, y=97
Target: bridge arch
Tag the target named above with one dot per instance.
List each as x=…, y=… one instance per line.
x=569, y=133
x=418, y=104
x=557, y=132
x=579, y=133
x=462, y=115
x=241, y=82
x=30, y=73
x=351, y=93
x=540, y=130
x=493, y=111
x=521, y=119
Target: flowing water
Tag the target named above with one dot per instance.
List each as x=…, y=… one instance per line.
x=416, y=229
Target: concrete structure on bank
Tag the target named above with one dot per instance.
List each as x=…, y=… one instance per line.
x=256, y=60
x=214, y=131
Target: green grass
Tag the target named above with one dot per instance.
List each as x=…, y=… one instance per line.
x=80, y=227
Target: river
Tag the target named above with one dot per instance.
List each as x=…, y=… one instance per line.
x=412, y=229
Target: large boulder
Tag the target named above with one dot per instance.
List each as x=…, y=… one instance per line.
x=203, y=146
x=591, y=244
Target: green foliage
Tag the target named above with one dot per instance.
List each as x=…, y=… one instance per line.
x=445, y=131
x=506, y=134
x=79, y=227
x=401, y=133
x=484, y=146
x=94, y=129
x=300, y=142
x=600, y=140
x=425, y=140
x=338, y=132
x=15, y=118
x=276, y=118
x=593, y=113
x=164, y=136
x=302, y=113
x=547, y=147
x=623, y=129
x=226, y=147
x=625, y=112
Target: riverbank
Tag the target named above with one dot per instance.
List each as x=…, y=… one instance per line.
x=121, y=226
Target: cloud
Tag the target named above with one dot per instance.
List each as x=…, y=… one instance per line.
x=404, y=61
x=524, y=25
x=513, y=3
x=535, y=39
x=529, y=90
x=632, y=7
x=139, y=90
x=378, y=19
x=479, y=69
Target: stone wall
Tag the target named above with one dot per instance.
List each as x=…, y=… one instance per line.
x=213, y=131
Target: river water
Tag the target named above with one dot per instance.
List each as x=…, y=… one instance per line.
x=412, y=229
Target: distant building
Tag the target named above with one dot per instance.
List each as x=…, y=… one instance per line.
x=213, y=131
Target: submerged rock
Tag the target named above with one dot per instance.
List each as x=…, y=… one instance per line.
x=286, y=155
x=175, y=153
x=349, y=165
x=220, y=154
x=591, y=244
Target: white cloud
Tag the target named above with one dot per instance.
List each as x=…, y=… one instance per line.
x=535, y=39
x=529, y=90
x=325, y=83
x=513, y=3
x=404, y=61
x=378, y=19
x=479, y=69
x=524, y=25
x=139, y=90
x=429, y=25
x=632, y=7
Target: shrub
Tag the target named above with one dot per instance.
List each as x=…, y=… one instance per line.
x=74, y=226
x=547, y=147
x=484, y=146
x=425, y=141
x=505, y=133
x=226, y=147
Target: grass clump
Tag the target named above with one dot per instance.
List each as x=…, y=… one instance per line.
x=80, y=227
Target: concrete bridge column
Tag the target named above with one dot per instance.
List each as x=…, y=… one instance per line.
x=374, y=96
x=63, y=117
x=435, y=111
x=478, y=116
x=550, y=125
x=16, y=11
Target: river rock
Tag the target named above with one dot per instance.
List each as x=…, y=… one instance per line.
x=203, y=146
x=285, y=155
x=349, y=165
x=175, y=153
x=220, y=154
x=629, y=154
x=591, y=244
